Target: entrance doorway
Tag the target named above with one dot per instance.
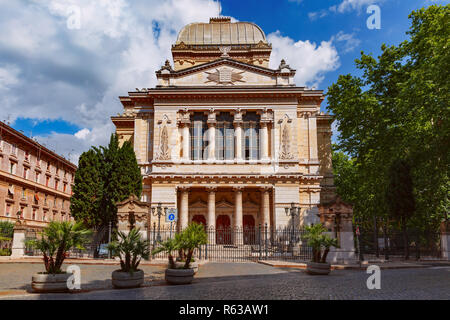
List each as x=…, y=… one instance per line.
x=200, y=219
x=249, y=229
x=223, y=230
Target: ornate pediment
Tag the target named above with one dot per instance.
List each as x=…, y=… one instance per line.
x=224, y=204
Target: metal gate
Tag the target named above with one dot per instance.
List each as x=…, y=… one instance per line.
x=245, y=244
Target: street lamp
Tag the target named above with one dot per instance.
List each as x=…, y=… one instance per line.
x=158, y=212
x=293, y=211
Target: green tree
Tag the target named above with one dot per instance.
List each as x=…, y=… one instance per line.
x=58, y=238
x=87, y=190
x=399, y=108
x=106, y=175
x=121, y=176
x=400, y=197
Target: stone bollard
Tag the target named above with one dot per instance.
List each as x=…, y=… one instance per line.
x=18, y=244
x=445, y=240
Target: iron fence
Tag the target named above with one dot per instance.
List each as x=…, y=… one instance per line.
x=244, y=244
x=396, y=245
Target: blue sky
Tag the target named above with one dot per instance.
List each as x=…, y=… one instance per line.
x=61, y=84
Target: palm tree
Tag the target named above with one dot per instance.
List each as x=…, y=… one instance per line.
x=58, y=238
x=130, y=248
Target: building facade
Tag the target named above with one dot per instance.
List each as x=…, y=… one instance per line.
x=224, y=138
x=35, y=183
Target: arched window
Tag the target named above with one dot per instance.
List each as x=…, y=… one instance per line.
x=250, y=136
x=198, y=131
x=224, y=137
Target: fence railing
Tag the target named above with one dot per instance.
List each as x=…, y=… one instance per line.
x=393, y=245
x=244, y=244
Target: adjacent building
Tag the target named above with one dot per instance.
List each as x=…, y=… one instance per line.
x=226, y=140
x=35, y=183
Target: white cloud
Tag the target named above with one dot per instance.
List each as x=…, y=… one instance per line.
x=343, y=7
x=310, y=60
x=82, y=134
x=349, y=41
x=9, y=76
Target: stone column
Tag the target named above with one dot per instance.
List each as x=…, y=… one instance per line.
x=18, y=244
x=186, y=142
x=184, y=208
x=265, y=206
x=264, y=142
x=238, y=135
x=211, y=222
x=238, y=216
x=211, y=141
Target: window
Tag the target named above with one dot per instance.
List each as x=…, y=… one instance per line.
x=1, y=142
x=198, y=136
x=47, y=180
x=44, y=215
x=54, y=202
x=224, y=137
x=8, y=210
x=250, y=136
x=27, y=156
x=64, y=187
x=24, y=193
x=37, y=177
x=13, y=149
x=45, y=200
x=12, y=167
x=34, y=214
x=25, y=172
x=56, y=184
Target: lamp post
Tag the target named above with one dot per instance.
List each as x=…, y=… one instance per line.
x=158, y=212
x=292, y=211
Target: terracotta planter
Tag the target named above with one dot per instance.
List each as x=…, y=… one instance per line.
x=179, y=276
x=192, y=265
x=50, y=282
x=315, y=268
x=122, y=280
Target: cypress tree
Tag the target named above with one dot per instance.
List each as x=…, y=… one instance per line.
x=105, y=176
x=87, y=190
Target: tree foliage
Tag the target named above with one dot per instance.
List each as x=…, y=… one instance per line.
x=58, y=238
x=398, y=109
x=105, y=176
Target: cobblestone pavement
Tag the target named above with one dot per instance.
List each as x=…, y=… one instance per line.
x=17, y=276
x=254, y=281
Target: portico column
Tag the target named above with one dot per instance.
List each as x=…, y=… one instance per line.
x=238, y=232
x=184, y=208
x=186, y=142
x=238, y=140
x=211, y=222
x=212, y=141
x=264, y=141
x=265, y=206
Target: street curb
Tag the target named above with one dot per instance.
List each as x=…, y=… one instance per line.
x=302, y=266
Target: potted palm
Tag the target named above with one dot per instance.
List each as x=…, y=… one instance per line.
x=321, y=244
x=186, y=242
x=130, y=248
x=55, y=242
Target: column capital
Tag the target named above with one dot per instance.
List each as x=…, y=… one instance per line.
x=211, y=189
x=238, y=188
x=184, y=189
x=266, y=189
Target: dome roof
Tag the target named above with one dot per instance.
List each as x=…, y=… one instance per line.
x=221, y=31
